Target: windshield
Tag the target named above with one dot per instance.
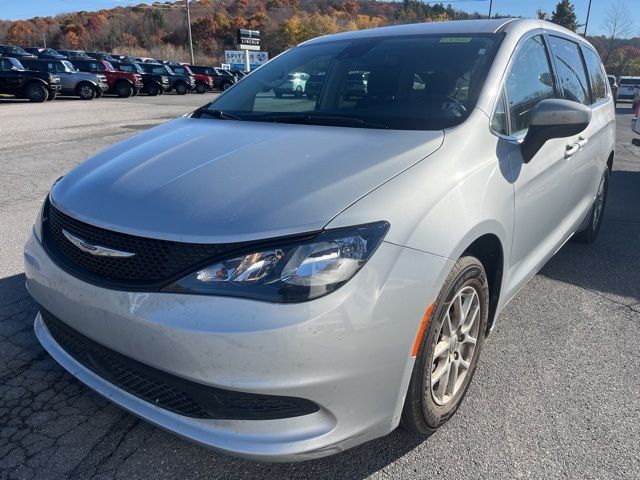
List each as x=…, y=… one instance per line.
x=108, y=66
x=629, y=81
x=13, y=49
x=425, y=82
x=69, y=66
x=16, y=63
x=50, y=51
x=181, y=70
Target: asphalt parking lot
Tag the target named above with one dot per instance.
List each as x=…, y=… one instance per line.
x=556, y=394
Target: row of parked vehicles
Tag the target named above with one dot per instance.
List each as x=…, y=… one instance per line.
x=41, y=74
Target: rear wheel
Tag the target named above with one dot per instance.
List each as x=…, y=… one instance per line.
x=124, y=90
x=590, y=232
x=201, y=87
x=449, y=350
x=86, y=91
x=37, y=93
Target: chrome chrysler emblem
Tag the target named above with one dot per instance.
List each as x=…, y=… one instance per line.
x=97, y=250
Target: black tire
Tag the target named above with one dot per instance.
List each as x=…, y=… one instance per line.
x=590, y=232
x=153, y=89
x=86, y=91
x=124, y=89
x=37, y=93
x=421, y=414
x=226, y=85
x=181, y=88
x=201, y=87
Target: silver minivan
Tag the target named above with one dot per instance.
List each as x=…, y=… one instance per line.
x=283, y=278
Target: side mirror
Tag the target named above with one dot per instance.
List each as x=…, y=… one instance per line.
x=553, y=118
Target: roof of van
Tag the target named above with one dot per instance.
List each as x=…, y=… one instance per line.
x=481, y=26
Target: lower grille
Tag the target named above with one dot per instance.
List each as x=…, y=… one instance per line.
x=169, y=391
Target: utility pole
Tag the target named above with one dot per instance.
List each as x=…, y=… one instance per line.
x=44, y=39
x=586, y=24
x=490, y=7
x=189, y=27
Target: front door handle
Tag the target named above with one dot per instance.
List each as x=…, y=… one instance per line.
x=571, y=149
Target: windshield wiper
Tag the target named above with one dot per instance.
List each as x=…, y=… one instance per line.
x=222, y=115
x=305, y=119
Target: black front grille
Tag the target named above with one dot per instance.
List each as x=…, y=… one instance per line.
x=169, y=391
x=154, y=264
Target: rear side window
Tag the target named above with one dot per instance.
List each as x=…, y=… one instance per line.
x=571, y=72
x=529, y=81
x=597, y=77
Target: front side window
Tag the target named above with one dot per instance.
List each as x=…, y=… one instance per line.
x=571, y=73
x=528, y=82
x=426, y=82
x=597, y=77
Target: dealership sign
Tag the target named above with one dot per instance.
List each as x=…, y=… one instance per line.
x=248, y=39
x=235, y=58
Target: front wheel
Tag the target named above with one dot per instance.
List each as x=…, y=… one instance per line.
x=182, y=89
x=37, y=93
x=201, y=87
x=449, y=349
x=124, y=90
x=153, y=89
x=87, y=92
x=590, y=232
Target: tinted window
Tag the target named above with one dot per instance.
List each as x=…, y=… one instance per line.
x=571, y=73
x=421, y=82
x=528, y=82
x=629, y=81
x=597, y=77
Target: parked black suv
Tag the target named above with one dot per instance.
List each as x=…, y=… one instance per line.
x=182, y=84
x=15, y=52
x=36, y=86
x=220, y=81
x=46, y=53
x=153, y=84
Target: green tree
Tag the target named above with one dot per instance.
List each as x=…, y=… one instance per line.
x=565, y=15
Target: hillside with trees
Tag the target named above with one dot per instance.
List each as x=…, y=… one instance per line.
x=160, y=30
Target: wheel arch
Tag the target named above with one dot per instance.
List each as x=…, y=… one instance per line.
x=84, y=82
x=488, y=249
x=610, y=161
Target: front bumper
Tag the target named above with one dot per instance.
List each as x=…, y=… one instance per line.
x=347, y=352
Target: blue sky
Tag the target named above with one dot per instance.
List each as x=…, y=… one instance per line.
x=23, y=9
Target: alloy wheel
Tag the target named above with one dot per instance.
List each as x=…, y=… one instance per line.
x=455, y=347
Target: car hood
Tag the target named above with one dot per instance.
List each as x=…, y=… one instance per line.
x=216, y=181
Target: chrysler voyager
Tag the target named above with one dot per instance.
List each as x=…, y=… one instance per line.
x=283, y=278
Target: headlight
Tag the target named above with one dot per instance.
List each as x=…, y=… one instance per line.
x=289, y=272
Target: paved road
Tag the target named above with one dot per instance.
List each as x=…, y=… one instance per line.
x=557, y=393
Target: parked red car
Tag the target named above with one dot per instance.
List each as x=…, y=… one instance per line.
x=123, y=84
